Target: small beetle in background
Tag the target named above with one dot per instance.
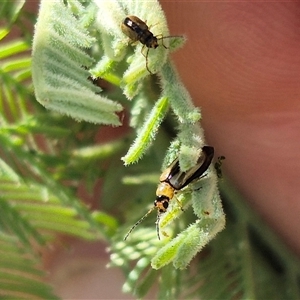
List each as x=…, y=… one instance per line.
x=138, y=30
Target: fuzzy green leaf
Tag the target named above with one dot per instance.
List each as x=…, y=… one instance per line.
x=59, y=67
x=148, y=132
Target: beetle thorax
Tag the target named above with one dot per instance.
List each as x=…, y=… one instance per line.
x=165, y=189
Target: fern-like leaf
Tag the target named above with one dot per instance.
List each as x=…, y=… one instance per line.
x=21, y=276
x=59, y=65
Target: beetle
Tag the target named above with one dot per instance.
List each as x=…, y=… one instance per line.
x=138, y=30
x=173, y=180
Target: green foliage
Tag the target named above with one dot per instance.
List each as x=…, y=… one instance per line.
x=20, y=274
x=61, y=82
x=39, y=153
x=245, y=261
x=44, y=156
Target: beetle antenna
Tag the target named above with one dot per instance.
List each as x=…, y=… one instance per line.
x=147, y=67
x=167, y=37
x=138, y=222
x=157, y=224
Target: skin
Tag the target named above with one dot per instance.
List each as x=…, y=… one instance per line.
x=241, y=64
